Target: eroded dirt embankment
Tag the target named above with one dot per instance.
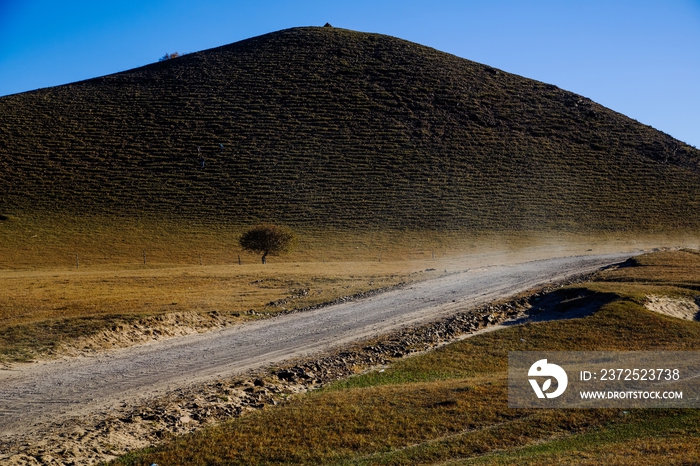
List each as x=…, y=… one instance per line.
x=681, y=308
x=161, y=327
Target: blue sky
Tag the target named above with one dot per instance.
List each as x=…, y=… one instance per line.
x=638, y=57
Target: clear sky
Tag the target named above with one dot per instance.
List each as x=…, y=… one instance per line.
x=638, y=57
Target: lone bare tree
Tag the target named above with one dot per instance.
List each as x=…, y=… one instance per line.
x=267, y=240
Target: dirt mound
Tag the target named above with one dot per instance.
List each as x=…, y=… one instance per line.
x=147, y=330
x=681, y=308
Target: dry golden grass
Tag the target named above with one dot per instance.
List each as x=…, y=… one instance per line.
x=28, y=297
x=42, y=242
x=42, y=310
x=666, y=273
x=450, y=404
x=48, y=300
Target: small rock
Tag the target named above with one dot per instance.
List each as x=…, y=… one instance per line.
x=286, y=375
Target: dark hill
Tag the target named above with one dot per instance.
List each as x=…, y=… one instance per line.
x=329, y=127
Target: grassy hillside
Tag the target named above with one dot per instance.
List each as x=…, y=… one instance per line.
x=449, y=406
x=335, y=128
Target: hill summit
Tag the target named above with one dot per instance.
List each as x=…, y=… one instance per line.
x=336, y=128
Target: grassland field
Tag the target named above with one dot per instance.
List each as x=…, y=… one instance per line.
x=67, y=281
x=442, y=407
x=449, y=406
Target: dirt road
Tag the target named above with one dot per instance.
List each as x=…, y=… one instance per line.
x=36, y=395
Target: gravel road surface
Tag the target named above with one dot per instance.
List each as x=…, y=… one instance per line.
x=34, y=395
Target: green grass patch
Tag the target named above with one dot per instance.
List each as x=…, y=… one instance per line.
x=643, y=437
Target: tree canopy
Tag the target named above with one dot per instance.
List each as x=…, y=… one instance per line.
x=268, y=239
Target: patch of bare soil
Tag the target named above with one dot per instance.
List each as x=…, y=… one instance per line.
x=146, y=330
x=681, y=308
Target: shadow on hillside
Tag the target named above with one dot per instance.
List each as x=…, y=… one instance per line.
x=570, y=303
x=631, y=262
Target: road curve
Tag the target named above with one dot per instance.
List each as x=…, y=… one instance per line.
x=35, y=395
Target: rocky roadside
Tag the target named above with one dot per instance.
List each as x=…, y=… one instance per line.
x=108, y=435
